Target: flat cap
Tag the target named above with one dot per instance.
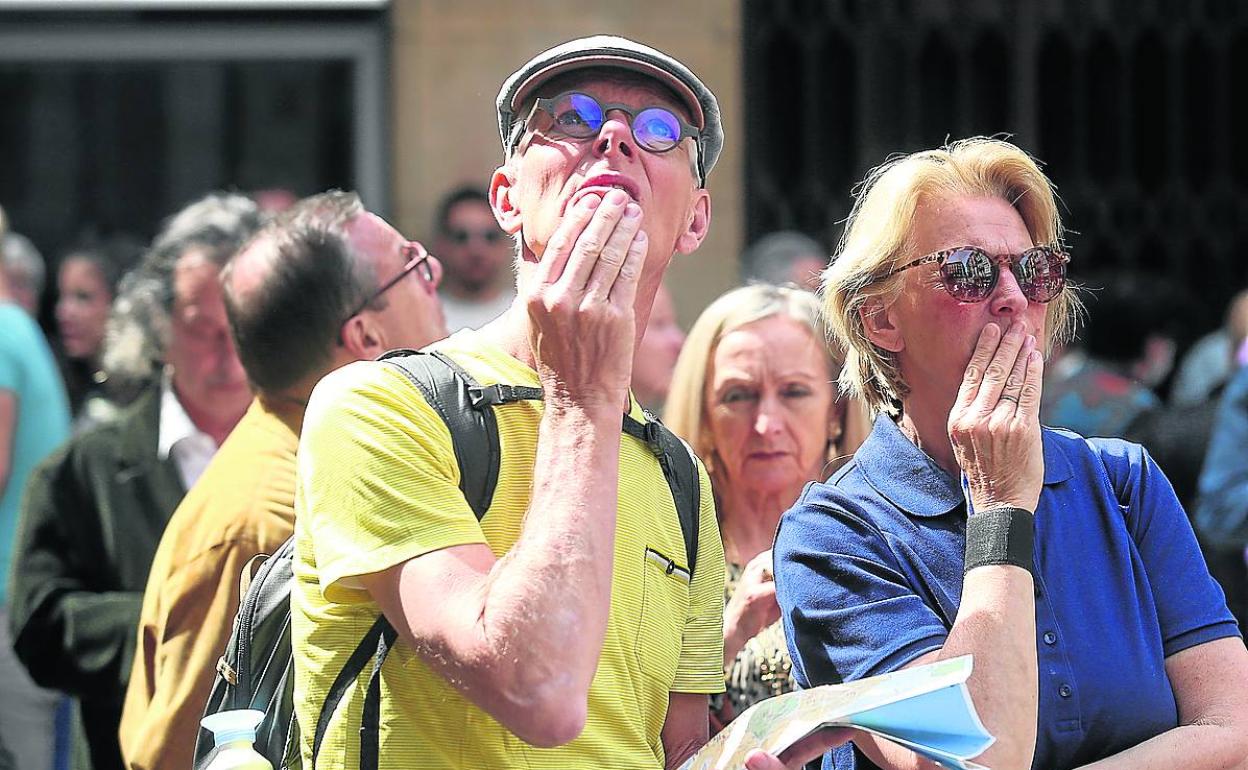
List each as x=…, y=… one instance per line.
x=612, y=51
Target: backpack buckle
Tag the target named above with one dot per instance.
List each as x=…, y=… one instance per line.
x=479, y=395
x=501, y=393
x=506, y=393
x=227, y=672
x=653, y=438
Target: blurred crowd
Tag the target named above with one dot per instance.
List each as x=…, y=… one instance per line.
x=199, y=389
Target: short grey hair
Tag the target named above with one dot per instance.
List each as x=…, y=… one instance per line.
x=22, y=262
x=215, y=226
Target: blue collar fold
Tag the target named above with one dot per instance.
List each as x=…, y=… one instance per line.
x=912, y=481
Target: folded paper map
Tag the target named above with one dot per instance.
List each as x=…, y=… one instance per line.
x=927, y=709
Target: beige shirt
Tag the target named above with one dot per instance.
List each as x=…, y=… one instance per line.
x=242, y=505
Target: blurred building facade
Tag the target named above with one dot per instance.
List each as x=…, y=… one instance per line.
x=118, y=111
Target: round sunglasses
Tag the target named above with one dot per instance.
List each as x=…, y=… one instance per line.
x=580, y=116
x=970, y=274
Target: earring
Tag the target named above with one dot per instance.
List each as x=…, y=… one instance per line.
x=834, y=438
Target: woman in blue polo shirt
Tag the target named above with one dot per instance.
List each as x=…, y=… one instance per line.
x=1065, y=565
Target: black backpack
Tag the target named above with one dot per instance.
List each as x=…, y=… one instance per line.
x=257, y=670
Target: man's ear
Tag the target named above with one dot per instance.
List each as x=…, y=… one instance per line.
x=506, y=212
x=878, y=323
x=699, y=223
x=362, y=338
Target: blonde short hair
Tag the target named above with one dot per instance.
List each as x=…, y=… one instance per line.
x=877, y=240
x=686, y=399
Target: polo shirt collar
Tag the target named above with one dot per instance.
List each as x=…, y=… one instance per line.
x=912, y=481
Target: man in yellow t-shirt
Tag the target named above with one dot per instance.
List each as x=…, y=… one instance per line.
x=325, y=284
x=563, y=629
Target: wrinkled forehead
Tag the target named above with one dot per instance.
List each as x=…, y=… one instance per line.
x=611, y=84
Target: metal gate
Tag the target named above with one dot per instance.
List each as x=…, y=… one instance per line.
x=1139, y=108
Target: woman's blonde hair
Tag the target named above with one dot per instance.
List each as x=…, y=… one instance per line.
x=877, y=240
x=686, y=399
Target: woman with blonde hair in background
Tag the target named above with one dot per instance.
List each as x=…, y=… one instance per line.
x=754, y=394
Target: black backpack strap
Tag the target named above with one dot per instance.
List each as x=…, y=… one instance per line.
x=370, y=722
x=493, y=395
x=681, y=471
x=367, y=649
x=447, y=387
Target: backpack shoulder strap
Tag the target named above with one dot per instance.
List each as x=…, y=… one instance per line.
x=681, y=472
x=466, y=406
x=449, y=388
x=373, y=647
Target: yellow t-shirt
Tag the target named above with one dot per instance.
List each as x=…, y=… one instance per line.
x=378, y=485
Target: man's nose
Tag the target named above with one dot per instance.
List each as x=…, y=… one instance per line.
x=615, y=136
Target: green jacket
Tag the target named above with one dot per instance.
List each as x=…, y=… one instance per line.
x=91, y=519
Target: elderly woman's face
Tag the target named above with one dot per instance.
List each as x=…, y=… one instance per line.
x=933, y=334
x=770, y=403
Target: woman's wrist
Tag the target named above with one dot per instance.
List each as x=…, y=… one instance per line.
x=1000, y=536
x=733, y=639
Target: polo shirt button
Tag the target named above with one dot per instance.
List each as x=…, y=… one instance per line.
x=1064, y=691
x=1050, y=637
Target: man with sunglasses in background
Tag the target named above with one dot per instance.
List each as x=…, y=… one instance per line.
x=325, y=284
x=477, y=286
x=565, y=627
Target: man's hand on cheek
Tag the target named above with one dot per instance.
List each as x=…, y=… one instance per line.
x=580, y=300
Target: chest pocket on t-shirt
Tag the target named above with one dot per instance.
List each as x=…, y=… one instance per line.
x=664, y=608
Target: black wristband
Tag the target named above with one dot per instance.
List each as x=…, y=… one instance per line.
x=1000, y=536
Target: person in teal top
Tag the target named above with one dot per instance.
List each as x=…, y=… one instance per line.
x=34, y=415
x=34, y=420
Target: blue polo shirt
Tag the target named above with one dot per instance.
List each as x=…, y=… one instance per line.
x=869, y=577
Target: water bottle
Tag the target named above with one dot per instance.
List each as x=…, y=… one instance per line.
x=234, y=733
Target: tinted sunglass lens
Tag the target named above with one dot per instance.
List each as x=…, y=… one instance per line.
x=1041, y=274
x=577, y=115
x=969, y=275
x=656, y=129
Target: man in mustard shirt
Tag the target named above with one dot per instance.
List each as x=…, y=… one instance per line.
x=565, y=628
x=325, y=284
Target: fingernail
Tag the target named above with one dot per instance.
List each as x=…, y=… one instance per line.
x=617, y=197
x=591, y=201
x=640, y=236
x=632, y=211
